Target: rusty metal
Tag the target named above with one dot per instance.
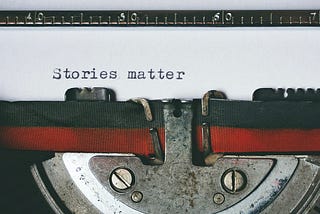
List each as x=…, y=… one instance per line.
x=158, y=157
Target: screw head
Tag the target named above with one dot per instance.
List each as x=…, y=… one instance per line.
x=218, y=198
x=234, y=180
x=121, y=179
x=136, y=196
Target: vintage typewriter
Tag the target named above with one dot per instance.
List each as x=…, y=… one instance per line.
x=206, y=154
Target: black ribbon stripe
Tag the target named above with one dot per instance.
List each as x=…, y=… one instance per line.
x=80, y=114
x=242, y=114
x=258, y=114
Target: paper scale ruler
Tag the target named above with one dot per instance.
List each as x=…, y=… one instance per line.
x=197, y=18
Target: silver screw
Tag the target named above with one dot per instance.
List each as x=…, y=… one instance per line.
x=121, y=179
x=234, y=180
x=218, y=198
x=136, y=196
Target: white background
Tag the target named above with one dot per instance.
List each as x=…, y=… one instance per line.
x=235, y=60
x=158, y=4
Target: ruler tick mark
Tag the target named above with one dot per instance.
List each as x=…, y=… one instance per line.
x=100, y=20
x=175, y=18
x=222, y=18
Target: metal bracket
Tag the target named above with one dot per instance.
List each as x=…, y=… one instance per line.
x=158, y=157
x=147, y=110
x=90, y=94
x=206, y=97
x=209, y=157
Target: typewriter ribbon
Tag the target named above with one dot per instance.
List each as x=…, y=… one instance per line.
x=235, y=127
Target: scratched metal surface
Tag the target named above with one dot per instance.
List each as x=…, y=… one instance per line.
x=275, y=184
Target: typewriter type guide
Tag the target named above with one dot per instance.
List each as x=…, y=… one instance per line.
x=183, y=164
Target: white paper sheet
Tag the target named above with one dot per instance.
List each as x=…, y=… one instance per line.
x=157, y=4
x=235, y=60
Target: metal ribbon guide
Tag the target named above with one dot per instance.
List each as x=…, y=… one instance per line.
x=212, y=155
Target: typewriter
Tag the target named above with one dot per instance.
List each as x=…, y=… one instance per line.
x=97, y=151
